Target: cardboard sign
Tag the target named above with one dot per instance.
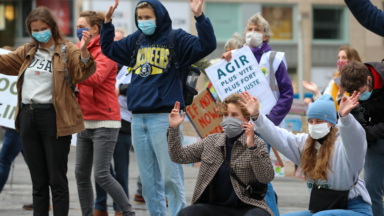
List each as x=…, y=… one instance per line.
x=242, y=74
x=8, y=97
x=203, y=115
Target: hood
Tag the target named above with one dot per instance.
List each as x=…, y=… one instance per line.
x=163, y=21
x=376, y=71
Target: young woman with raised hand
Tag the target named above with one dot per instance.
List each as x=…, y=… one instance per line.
x=101, y=110
x=331, y=157
x=218, y=192
x=47, y=112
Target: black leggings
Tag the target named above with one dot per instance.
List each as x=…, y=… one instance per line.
x=213, y=210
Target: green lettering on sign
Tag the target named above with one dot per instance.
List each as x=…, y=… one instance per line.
x=220, y=73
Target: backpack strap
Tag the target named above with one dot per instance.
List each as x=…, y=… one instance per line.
x=63, y=53
x=135, y=52
x=171, y=41
x=272, y=77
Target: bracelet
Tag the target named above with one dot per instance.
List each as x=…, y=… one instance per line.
x=255, y=117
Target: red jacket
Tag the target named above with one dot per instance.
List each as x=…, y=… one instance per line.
x=97, y=97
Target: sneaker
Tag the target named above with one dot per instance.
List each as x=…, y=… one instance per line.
x=100, y=213
x=139, y=199
x=118, y=213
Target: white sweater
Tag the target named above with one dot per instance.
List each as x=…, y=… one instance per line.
x=347, y=160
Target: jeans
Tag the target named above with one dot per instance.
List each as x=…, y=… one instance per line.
x=159, y=175
x=213, y=210
x=47, y=159
x=11, y=148
x=356, y=207
x=96, y=147
x=121, y=162
x=374, y=176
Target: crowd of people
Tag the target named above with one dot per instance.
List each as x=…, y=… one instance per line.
x=66, y=89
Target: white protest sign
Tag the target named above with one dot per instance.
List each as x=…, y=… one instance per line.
x=8, y=97
x=242, y=74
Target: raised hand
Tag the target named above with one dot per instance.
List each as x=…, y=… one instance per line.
x=196, y=7
x=311, y=87
x=250, y=102
x=249, y=130
x=346, y=105
x=108, y=15
x=175, y=119
x=84, y=44
x=227, y=56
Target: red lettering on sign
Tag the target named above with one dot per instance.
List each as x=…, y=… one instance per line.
x=195, y=108
x=189, y=111
x=207, y=118
x=201, y=121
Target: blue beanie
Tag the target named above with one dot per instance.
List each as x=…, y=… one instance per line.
x=324, y=109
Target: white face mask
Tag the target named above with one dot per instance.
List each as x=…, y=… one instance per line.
x=254, y=39
x=318, y=131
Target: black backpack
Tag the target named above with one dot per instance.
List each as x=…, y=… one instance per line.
x=181, y=73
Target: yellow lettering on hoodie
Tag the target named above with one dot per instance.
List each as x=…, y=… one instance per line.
x=157, y=56
x=162, y=57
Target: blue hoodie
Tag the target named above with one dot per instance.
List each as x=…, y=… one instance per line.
x=152, y=89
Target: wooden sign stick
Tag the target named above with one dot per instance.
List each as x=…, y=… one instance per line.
x=278, y=157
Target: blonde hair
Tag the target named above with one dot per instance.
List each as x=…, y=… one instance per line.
x=236, y=41
x=122, y=31
x=93, y=18
x=144, y=5
x=259, y=20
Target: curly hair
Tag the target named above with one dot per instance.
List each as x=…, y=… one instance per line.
x=315, y=163
x=222, y=107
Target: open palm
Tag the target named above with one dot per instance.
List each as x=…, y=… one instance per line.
x=311, y=87
x=175, y=119
x=196, y=6
x=346, y=105
x=250, y=102
x=108, y=15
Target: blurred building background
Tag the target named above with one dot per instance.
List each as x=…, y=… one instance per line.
x=326, y=25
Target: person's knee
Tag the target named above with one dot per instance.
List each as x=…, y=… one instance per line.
x=102, y=177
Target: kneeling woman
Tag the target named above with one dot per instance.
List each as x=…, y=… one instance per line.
x=217, y=192
x=331, y=157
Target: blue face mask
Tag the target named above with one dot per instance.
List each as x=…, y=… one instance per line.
x=148, y=27
x=42, y=36
x=80, y=32
x=365, y=96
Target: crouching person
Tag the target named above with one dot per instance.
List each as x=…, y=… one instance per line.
x=230, y=162
x=331, y=157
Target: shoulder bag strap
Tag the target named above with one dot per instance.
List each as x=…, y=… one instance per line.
x=63, y=53
x=230, y=170
x=171, y=41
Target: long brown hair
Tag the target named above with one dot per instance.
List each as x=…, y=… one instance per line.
x=43, y=14
x=314, y=163
x=352, y=54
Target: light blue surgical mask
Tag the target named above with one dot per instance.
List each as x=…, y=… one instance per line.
x=365, y=96
x=148, y=27
x=42, y=36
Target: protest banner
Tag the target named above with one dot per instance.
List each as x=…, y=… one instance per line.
x=242, y=74
x=203, y=115
x=8, y=97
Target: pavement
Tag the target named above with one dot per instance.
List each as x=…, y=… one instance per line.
x=293, y=194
